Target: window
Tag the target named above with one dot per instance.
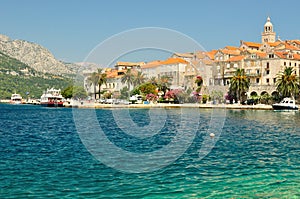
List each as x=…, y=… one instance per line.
x=284, y=63
x=274, y=80
x=268, y=72
x=257, y=80
x=268, y=64
x=295, y=64
x=267, y=80
x=257, y=72
x=290, y=64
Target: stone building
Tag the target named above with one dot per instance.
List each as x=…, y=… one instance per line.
x=172, y=67
x=261, y=61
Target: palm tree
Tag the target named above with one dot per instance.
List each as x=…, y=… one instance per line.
x=287, y=82
x=239, y=83
x=153, y=80
x=128, y=78
x=139, y=78
x=93, y=80
x=164, y=82
x=101, y=79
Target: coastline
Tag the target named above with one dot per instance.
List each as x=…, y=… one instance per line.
x=89, y=104
x=208, y=106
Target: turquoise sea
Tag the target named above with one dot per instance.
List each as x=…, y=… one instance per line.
x=42, y=156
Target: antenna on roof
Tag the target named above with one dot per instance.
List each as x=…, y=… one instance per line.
x=278, y=38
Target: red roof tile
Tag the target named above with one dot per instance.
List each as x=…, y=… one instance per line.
x=169, y=61
x=236, y=58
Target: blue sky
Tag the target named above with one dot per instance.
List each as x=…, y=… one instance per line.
x=71, y=29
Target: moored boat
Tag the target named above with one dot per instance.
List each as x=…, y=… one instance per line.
x=16, y=99
x=52, y=98
x=285, y=104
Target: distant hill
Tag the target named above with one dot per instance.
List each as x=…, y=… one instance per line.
x=16, y=76
x=34, y=55
x=29, y=67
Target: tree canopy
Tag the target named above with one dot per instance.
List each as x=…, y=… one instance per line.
x=239, y=83
x=287, y=82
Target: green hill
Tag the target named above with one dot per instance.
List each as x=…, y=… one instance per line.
x=18, y=77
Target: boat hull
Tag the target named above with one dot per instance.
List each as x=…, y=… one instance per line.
x=280, y=107
x=15, y=102
x=52, y=104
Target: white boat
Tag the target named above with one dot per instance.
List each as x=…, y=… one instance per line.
x=16, y=99
x=286, y=104
x=52, y=98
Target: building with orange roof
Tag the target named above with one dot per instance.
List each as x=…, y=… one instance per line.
x=294, y=43
x=231, y=48
x=173, y=67
x=128, y=65
x=261, y=61
x=211, y=54
x=285, y=46
x=246, y=45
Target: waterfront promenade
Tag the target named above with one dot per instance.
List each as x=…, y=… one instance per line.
x=87, y=104
x=90, y=104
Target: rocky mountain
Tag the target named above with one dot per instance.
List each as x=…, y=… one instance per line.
x=16, y=76
x=34, y=55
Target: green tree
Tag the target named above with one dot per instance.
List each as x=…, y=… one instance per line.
x=93, y=80
x=124, y=92
x=287, y=82
x=139, y=78
x=147, y=88
x=128, y=78
x=101, y=79
x=239, y=83
x=74, y=92
x=153, y=80
x=164, y=83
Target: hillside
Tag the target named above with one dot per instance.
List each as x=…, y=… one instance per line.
x=34, y=55
x=16, y=76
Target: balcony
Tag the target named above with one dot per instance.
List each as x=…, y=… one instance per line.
x=228, y=75
x=253, y=74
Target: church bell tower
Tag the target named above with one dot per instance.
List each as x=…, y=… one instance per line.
x=268, y=35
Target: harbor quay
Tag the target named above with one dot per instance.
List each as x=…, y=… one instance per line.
x=89, y=104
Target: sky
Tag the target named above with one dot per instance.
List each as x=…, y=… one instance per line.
x=71, y=29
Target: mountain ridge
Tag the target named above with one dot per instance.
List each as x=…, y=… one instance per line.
x=34, y=55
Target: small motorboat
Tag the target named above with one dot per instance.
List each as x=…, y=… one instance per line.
x=286, y=104
x=16, y=99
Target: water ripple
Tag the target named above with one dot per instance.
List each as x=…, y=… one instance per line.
x=257, y=156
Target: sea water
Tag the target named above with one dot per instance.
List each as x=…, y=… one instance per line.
x=256, y=155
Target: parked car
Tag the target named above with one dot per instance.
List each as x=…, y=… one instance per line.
x=136, y=99
x=109, y=101
x=250, y=102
